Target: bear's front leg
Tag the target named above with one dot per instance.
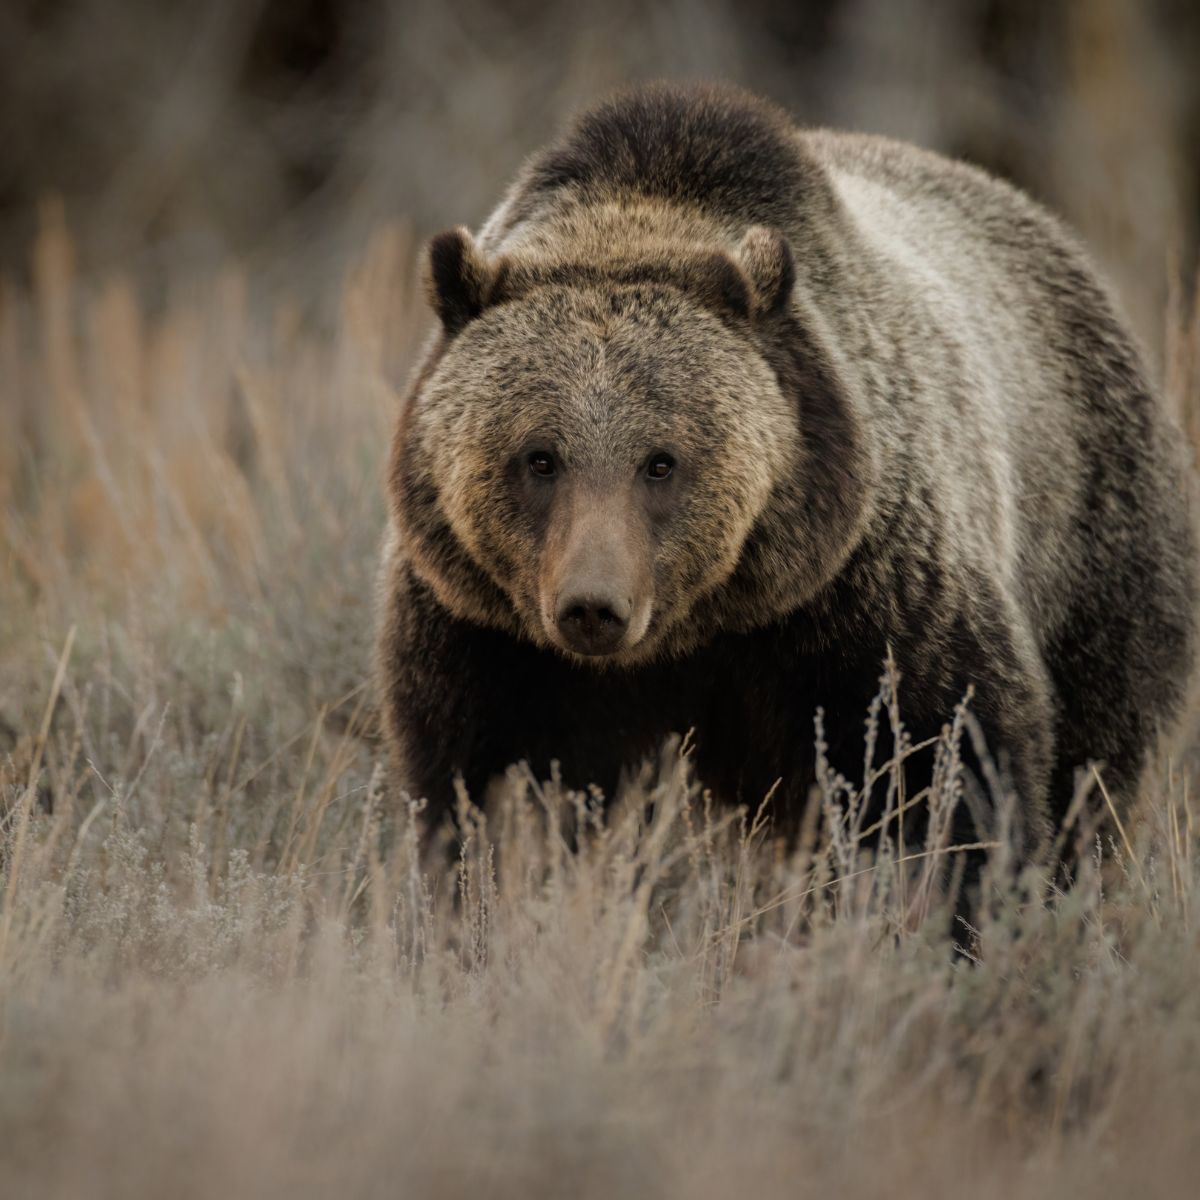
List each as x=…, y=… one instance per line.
x=439, y=676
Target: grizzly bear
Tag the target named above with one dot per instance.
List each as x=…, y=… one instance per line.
x=720, y=413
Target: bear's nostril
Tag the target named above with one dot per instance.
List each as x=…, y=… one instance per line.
x=592, y=616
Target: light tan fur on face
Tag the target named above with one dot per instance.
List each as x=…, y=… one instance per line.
x=604, y=377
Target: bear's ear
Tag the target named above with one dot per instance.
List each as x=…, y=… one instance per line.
x=722, y=285
x=459, y=279
x=766, y=259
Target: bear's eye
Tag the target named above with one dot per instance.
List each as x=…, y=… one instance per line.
x=541, y=463
x=660, y=466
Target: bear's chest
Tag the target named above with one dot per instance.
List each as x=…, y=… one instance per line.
x=747, y=702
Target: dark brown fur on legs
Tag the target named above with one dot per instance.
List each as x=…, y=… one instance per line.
x=720, y=411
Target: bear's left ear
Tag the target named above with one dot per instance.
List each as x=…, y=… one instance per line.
x=766, y=260
x=459, y=279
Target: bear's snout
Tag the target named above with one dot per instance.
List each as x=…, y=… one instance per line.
x=596, y=571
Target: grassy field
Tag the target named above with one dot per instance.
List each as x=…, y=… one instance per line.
x=224, y=971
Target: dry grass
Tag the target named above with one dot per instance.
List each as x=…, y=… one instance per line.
x=223, y=971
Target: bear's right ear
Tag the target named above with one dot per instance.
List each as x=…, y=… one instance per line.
x=459, y=280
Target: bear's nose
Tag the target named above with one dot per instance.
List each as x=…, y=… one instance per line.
x=593, y=624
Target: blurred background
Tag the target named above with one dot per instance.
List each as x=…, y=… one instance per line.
x=284, y=131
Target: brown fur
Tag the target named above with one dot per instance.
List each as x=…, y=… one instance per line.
x=903, y=414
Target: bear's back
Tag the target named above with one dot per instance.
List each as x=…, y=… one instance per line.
x=964, y=277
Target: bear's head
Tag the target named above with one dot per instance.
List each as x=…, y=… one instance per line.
x=612, y=459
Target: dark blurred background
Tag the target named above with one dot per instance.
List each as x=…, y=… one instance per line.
x=284, y=130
